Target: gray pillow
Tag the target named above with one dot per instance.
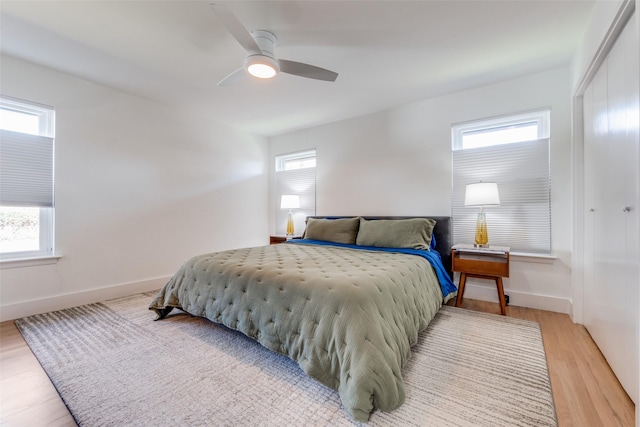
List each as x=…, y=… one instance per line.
x=413, y=233
x=342, y=230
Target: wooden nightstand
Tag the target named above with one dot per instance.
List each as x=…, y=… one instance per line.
x=274, y=240
x=491, y=264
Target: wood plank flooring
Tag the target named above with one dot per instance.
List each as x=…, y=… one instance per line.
x=27, y=397
x=585, y=391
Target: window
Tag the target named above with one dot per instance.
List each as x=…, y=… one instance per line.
x=302, y=160
x=26, y=174
x=514, y=152
x=296, y=175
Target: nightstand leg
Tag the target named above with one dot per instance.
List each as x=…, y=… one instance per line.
x=463, y=281
x=503, y=303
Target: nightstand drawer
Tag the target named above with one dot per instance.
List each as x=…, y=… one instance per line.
x=274, y=240
x=485, y=264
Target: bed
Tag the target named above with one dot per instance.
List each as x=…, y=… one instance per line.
x=346, y=302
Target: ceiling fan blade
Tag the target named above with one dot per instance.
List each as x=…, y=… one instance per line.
x=306, y=70
x=236, y=77
x=235, y=27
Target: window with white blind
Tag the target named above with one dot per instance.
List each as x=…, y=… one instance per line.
x=512, y=151
x=26, y=179
x=296, y=175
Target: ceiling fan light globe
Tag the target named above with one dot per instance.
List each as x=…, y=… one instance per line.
x=262, y=67
x=261, y=71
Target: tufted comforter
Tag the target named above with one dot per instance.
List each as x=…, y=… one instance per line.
x=348, y=317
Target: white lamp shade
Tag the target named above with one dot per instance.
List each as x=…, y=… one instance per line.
x=290, y=201
x=481, y=194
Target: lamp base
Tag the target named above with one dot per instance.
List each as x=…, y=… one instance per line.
x=482, y=237
x=290, y=223
x=475, y=245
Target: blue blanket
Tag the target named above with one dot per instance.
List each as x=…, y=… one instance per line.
x=446, y=284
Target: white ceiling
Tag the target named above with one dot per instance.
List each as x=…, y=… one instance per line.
x=387, y=53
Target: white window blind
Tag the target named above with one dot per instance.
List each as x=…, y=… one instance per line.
x=26, y=169
x=299, y=180
x=523, y=219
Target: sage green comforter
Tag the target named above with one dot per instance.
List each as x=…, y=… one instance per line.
x=347, y=317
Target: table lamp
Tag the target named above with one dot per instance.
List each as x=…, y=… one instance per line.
x=482, y=194
x=290, y=201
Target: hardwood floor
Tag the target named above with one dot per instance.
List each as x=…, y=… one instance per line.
x=27, y=397
x=585, y=391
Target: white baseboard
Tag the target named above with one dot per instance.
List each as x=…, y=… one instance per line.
x=520, y=299
x=60, y=302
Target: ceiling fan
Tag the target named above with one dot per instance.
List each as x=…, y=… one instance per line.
x=261, y=61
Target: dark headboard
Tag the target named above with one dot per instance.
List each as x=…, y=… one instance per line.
x=442, y=232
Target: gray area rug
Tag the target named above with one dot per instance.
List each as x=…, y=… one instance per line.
x=114, y=366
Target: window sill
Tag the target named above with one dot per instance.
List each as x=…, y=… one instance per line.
x=28, y=262
x=530, y=257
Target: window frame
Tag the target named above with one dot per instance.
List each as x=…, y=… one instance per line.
x=46, y=226
x=45, y=113
x=541, y=117
x=283, y=159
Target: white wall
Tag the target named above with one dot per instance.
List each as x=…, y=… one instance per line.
x=139, y=188
x=398, y=162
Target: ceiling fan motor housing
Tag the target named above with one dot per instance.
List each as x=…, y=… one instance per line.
x=266, y=41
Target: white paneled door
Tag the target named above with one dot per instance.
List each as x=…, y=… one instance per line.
x=612, y=255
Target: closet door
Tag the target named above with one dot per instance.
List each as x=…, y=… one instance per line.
x=611, y=198
x=632, y=208
x=629, y=101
